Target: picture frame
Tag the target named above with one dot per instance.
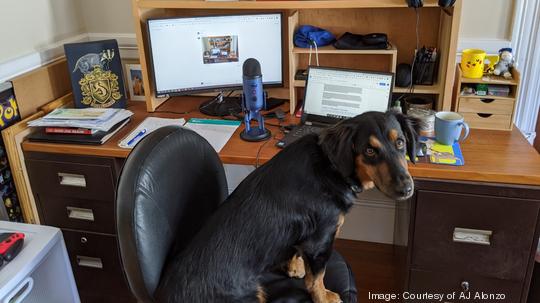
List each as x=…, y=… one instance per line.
x=135, y=82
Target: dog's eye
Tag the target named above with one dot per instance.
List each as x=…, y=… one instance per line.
x=400, y=143
x=370, y=152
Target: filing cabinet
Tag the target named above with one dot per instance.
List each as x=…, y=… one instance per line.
x=472, y=238
x=77, y=194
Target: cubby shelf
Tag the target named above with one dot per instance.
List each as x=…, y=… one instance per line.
x=329, y=49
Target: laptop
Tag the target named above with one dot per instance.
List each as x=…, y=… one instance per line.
x=335, y=94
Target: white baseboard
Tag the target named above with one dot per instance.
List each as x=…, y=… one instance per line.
x=23, y=64
x=127, y=43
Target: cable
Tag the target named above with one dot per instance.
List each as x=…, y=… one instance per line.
x=411, y=85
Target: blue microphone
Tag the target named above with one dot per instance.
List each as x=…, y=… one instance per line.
x=253, y=101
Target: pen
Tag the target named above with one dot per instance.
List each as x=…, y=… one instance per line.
x=142, y=132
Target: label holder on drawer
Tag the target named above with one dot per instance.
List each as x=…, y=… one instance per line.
x=72, y=180
x=472, y=236
x=85, y=261
x=85, y=214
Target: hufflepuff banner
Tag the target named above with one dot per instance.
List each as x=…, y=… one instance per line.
x=96, y=74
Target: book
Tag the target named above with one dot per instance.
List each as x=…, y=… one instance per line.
x=97, y=138
x=9, y=111
x=70, y=130
x=96, y=74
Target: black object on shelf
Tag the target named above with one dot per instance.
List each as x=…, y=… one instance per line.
x=425, y=66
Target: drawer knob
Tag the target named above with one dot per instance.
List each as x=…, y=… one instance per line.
x=84, y=240
x=465, y=286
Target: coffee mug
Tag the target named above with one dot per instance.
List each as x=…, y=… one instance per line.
x=448, y=126
x=472, y=63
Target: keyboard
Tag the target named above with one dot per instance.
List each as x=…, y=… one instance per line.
x=297, y=133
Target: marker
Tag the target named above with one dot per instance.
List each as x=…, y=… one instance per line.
x=142, y=132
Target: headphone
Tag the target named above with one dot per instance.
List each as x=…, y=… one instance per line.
x=420, y=3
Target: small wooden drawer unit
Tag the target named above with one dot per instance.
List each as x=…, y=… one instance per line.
x=77, y=194
x=473, y=238
x=487, y=112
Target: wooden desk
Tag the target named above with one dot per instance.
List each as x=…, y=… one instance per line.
x=490, y=156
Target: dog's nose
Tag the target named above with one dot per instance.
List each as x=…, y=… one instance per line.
x=405, y=190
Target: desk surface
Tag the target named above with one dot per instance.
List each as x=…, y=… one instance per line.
x=490, y=156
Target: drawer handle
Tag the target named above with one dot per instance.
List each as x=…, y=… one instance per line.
x=72, y=180
x=84, y=261
x=465, y=286
x=85, y=214
x=487, y=100
x=472, y=236
x=20, y=292
x=482, y=115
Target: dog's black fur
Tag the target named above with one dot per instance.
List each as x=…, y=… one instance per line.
x=292, y=202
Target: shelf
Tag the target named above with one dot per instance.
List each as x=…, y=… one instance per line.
x=419, y=89
x=329, y=49
x=307, y=4
x=499, y=81
x=299, y=83
x=488, y=97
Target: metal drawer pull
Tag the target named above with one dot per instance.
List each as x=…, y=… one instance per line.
x=72, y=180
x=80, y=213
x=89, y=262
x=465, y=286
x=472, y=236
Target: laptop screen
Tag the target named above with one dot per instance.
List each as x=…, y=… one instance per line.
x=341, y=93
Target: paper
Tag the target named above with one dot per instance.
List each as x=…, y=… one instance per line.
x=216, y=132
x=81, y=113
x=98, y=124
x=149, y=125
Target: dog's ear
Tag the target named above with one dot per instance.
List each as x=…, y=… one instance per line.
x=410, y=127
x=337, y=143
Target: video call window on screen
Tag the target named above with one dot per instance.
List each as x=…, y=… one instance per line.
x=197, y=54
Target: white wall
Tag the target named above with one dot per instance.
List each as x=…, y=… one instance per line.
x=108, y=16
x=486, y=24
x=34, y=25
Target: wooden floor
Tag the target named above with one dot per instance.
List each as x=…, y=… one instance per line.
x=373, y=265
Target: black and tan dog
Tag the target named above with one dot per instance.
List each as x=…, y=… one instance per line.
x=295, y=202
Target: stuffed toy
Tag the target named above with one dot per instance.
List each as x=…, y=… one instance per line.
x=506, y=62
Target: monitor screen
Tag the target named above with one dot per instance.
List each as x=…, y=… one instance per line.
x=195, y=54
x=342, y=93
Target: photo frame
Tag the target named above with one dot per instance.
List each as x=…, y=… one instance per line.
x=135, y=82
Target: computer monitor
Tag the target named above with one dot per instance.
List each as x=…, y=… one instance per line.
x=334, y=94
x=201, y=54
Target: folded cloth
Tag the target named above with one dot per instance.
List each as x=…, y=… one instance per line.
x=356, y=41
x=308, y=35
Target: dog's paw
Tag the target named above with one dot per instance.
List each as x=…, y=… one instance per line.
x=332, y=297
x=296, y=267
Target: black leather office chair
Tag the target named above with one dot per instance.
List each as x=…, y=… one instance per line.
x=171, y=182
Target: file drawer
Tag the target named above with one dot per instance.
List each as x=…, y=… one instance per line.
x=96, y=264
x=75, y=213
x=482, y=235
x=72, y=179
x=472, y=288
x=486, y=105
x=488, y=120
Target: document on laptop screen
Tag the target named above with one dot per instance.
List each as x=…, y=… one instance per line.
x=345, y=94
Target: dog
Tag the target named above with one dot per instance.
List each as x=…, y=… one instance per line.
x=290, y=209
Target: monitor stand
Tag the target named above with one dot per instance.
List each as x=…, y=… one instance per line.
x=221, y=106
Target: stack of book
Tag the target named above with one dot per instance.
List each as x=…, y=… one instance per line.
x=79, y=125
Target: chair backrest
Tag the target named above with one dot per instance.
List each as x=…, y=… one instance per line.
x=169, y=185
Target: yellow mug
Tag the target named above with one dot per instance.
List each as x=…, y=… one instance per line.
x=472, y=63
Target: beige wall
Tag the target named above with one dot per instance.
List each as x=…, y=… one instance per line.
x=107, y=16
x=34, y=25
x=487, y=19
